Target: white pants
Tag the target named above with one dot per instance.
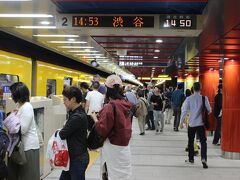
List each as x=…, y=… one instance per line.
x=169, y=114
x=118, y=160
x=158, y=117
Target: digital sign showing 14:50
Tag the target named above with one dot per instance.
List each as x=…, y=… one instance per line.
x=113, y=21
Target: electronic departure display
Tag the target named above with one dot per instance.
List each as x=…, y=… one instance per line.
x=110, y=21
x=173, y=21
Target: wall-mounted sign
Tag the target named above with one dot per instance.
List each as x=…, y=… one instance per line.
x=178, y=21
x=141, y=64
x=106, y=21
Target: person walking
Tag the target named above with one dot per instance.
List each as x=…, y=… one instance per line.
x=193, y=105
x=177, y=100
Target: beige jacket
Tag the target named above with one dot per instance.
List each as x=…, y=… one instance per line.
x=142, y=107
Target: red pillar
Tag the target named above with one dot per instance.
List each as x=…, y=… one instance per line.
x=231, y=108
x=210, y=80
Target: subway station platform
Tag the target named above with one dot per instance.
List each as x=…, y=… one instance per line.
x=162, y=156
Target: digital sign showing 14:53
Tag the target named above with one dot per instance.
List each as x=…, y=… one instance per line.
x=113, y=21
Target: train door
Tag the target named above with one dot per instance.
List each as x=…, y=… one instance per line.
x=51, y=87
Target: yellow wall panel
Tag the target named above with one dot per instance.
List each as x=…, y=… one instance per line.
x=17, y=65
x=47, y=71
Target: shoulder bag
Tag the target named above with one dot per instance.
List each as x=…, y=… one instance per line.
x=205, y=115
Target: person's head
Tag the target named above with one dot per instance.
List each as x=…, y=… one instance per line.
x=72, y=96
x=140, y=93
x=220, y=88
x=180, y=86
x=156, y=90
x=188, y=92
x=114, y=87
x=197, y=87
x=20, y=93
x=95, y=85
x=84, y=86
x=149, y=87
x=96, y=78
x=128, y=88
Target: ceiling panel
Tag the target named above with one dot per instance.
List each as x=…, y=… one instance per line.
x=131, y=6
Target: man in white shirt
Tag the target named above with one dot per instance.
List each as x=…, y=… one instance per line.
x=193, y=106
x=94, y=100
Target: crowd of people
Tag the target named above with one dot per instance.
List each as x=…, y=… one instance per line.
x=110, y=108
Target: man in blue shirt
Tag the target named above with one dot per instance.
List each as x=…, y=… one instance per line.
x=193, y=105
x=176, y=101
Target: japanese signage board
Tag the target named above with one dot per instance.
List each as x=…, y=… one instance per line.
x=106, y=21
x=141, y=64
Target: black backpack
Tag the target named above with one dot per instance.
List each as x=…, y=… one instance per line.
x=4, y=142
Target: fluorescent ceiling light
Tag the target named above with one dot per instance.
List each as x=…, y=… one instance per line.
x=72, y=42
x=157, y=50
x=71, y=39
x=25, y=15
x=155, y=57
x=159, y=41
x=76, y=47
x=45, y=22
x=13, y=0
x=86, y=50
x=36, y=27
x=55, y=35
x=88, y=54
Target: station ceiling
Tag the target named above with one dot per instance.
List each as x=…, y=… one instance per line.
x=115, y=44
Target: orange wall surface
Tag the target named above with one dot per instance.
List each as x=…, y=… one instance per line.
x=210, y=81
x=231, y=107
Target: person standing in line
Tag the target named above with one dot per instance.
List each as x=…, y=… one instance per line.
x=84, y=87
x=158, y=103
x=31, y=169
x=193, y=105
x=217, y=115
x=114, y=124
x=131, y=97
x=75, y=132
x=94, y=102
x=141, y=111
x=102, y=89
x=177, y=100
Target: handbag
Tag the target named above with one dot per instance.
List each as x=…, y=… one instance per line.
x=205, y=115
x=18, y=155
x=94, y=140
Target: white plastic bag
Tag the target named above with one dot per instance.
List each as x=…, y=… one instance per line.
x=57, y=153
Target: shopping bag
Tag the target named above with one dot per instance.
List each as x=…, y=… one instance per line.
x=57, y=153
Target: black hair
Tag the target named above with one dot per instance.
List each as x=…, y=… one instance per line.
x=197, y=86
x=71, y=92
x=95, y=85
x=188, y=92
x=114, y=93
x=20, y=92
x=84, y=85
x=140, y=93
x=180, y=86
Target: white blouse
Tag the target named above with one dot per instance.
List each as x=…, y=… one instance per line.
x=28, y=128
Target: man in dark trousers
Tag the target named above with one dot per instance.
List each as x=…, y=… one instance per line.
x=177, y=99
x=217, y=115
x=193, y=105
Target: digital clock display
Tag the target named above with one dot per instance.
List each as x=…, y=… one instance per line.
x=113, y=21
x=178, y=21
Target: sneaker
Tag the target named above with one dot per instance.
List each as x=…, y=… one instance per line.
x=161, y=130
x=142, y=133
x=189, y=162
x=204, y=163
